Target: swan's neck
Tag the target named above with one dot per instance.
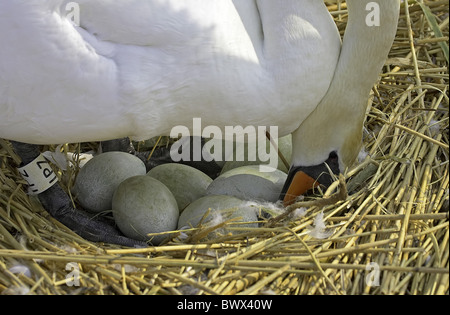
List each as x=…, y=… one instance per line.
x=336, y=123
x=367, y=41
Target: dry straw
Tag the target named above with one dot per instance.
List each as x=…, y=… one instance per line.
x=389, y=232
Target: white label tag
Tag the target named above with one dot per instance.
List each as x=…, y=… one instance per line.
x=39, y=175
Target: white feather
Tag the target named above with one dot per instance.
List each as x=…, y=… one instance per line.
x=363, y=154
x=299, y=213
x=320, y=230
x=434, y=127
x=58, y=158
x=21, y=269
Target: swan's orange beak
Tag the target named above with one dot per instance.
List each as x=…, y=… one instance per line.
x=296, y=186
x=301, y=179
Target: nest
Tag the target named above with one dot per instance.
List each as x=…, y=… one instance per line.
x=387, y=226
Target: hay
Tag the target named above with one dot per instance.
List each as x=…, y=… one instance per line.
x=390, y=234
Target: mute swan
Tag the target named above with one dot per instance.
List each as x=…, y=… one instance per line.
x=138, y=68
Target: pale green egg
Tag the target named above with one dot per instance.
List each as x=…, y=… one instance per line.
x=185, y=182
x=142, y=205
x=99, y=178
x=249, y=183
x=221, y=208
x=232, y=161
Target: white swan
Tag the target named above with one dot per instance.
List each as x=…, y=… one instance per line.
x=137, y=68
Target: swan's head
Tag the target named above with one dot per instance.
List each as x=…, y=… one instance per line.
x=303, y=178
x=319, y=156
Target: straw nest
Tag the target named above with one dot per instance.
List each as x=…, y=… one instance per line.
x=386, y=228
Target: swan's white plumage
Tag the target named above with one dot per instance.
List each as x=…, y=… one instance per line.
x=138, y=68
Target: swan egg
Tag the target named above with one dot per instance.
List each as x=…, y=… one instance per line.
x=143, y=205
x=221, y=208
x=186, y=183
x=99, y=178
x=249, y=183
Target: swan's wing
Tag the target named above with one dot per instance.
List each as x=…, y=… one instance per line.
x=145, y=23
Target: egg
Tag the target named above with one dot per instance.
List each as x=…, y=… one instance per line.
x=284, y=146
x=185, y=182
x=143, y=205
x=99, y=178
x=249, y=183
x=222, y=208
